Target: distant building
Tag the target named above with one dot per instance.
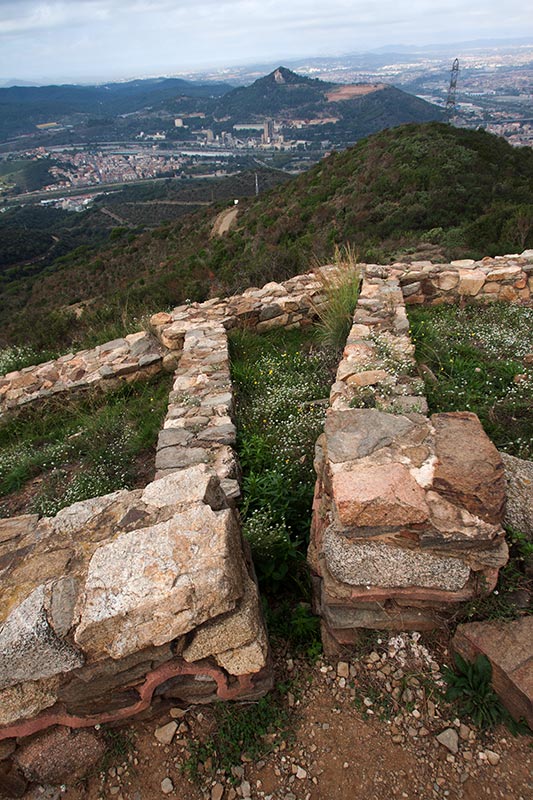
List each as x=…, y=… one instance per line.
x=268, y=131
x=178, y=122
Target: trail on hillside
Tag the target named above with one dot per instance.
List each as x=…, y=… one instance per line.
x=224, y=221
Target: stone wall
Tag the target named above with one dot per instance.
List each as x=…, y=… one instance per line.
x=289, y=304
x=506, y=278
x=121, y=601
x=137, y=356
x=408, y=509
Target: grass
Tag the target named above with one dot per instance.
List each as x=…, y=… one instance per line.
x=506, y=602
x=81, y=448
x=340, y=289
x=470, y=690
x=278, y=378
x=20, y=356
x=251, y=730
x=474, y=360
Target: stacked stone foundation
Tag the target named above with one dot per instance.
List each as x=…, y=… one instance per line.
x=122, y=602
x=408, y=508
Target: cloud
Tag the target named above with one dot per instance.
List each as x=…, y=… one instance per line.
x=83, y=37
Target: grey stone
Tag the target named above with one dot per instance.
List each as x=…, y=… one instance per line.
x=223, y=434
x=180, y=457
x=378, y=564
x=173, y=437
x=519, y=505
x=149, y=358
x=29, y=647
x=166, y=733
x=449, y=739
x=359, y=432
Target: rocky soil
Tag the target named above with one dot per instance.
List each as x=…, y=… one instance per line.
x=374, y=727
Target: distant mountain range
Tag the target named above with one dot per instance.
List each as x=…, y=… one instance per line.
x=460, y=192
x=23, y=107
x=354, y=110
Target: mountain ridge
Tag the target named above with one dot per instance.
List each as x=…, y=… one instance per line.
x=462, y=192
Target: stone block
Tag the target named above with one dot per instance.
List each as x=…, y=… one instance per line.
x=357, y=433
x=519, y=505
x=26, y=700
x=30, y=648
x=237, y=640
x=180, y=457
x=60, y=755
x=509, y=648
x=504, y=273
x=373, y=563
x=378, y=495
x=470, y=282
x=367, y=378
x=149, y=586
x=447, y=280
x=197, y=484
x=469, y=470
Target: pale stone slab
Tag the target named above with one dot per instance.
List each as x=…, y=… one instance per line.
x=378, y=564
x=470, y=281
x=198, y=484
x=149, y=586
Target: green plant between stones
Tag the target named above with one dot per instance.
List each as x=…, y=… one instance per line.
x=340, y=289
x=470, y=688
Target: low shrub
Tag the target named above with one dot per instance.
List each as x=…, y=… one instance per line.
x=340, y=289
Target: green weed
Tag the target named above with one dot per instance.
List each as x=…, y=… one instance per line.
x=470, y=689
x=476, y=360
x=81, y=448
x=340, y=289
x=278, y=378
x=252, y=730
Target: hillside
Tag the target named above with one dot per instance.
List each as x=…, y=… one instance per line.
x=22, y=107
x=333, y=111
x=466, y=192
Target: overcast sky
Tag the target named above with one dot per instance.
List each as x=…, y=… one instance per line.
x=77, y=40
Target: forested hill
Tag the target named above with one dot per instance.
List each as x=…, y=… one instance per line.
x=24, y=106
x=468, y=192
x=359, y=109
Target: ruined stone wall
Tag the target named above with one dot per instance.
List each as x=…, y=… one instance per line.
x=137, y=356
x=504, y=278
x=120, y=601
x=408, y=509
x=289, y=305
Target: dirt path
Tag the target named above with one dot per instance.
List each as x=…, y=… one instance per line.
x=224, y=221
x=348, y=738
x=116, y=217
